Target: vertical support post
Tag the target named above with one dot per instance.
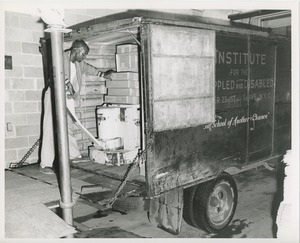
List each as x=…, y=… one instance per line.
x=61, y=120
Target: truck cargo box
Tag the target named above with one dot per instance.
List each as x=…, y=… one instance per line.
x=214, y=100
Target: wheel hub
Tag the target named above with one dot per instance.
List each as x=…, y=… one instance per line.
x=220, y=203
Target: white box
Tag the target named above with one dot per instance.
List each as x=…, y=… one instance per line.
x=123, y=84
x=117, y=157
x=93, y=89
x=124, y=92
x=97, y=155
x=127, y=48
x=122, y=99
x=125, y=76
x=127, y=62
x=104, y=63
x=93, y=78
x=106, y=157
x=91, y=101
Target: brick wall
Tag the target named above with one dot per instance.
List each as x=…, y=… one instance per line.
x=23, y=85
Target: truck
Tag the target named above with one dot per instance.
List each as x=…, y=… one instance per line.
x=213, y=98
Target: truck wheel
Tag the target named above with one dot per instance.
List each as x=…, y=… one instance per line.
x=214, y=203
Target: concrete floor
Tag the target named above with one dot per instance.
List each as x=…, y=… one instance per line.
x=254, y=218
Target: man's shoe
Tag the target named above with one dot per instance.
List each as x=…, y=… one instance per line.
x=46, y=170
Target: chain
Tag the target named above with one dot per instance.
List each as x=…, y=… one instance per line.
x=132, y=166
x=25, y=157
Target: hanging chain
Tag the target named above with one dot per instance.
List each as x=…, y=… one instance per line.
x=131, y=167
x=25, y=157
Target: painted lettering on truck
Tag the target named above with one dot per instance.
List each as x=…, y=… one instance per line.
x=229, y=57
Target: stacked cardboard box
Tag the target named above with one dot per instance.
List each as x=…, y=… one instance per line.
x=127, y=58
x=92, y=94
x=124, y=87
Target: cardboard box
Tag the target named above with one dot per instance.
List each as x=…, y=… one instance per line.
x=106, y=157
x=122, y=99
x=91, y=78
x=120, y=76
x=124, y=92
x=97, y=155
x=127, y=62
x=123, y=84
x=127, y=48
x=112, y=158
x=91, y=101
x=93, y=89
x=105, y=63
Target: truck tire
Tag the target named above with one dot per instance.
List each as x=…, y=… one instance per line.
x=188, y=214
x=214, y=203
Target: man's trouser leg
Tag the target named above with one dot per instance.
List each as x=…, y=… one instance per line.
x=73, y=146
x=47, y=150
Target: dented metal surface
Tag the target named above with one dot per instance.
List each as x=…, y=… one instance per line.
x=188, y=155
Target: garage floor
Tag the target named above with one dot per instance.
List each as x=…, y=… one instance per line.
x=259, y=199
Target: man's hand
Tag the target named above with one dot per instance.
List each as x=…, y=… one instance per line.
x=69, y=87
x=76, y=96
x=72, y=94
x=107, y=74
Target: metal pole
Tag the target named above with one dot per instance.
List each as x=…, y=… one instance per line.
x=62, y=129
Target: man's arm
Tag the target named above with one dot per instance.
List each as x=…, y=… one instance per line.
x=91, y=70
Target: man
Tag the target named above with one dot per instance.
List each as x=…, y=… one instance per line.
x=74, y=66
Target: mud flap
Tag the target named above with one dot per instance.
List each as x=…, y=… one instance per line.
x=165, y=212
